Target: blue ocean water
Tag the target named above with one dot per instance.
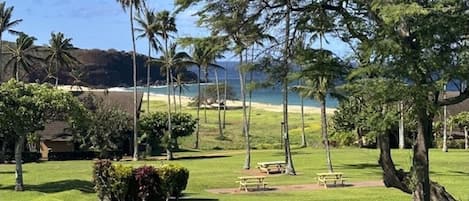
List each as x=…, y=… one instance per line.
x=271, y=95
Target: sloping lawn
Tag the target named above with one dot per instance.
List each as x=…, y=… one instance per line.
x=70, y=180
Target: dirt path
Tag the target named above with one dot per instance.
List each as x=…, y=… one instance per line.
x=300, y=187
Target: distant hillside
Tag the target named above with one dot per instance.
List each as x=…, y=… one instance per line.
x=100, y=68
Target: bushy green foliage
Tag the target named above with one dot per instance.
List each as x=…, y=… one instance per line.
x=121, y=182
x=175, y=179
x=102, y=171
x=343, y=138
x=102, y=129
x=183, y=124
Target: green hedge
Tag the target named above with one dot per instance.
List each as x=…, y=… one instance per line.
x=122, y=183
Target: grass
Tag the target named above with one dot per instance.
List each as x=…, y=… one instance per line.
x=209, y=168
x=70, y=180
x=265, y=129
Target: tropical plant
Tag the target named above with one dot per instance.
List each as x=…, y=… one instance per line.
x=6, y=23
x=59, y=56
x=22, y=55
x=322, y=73
x=169, y=60
x=148, y=28
x=103, y=129
x=133, y=5
x=205, y=52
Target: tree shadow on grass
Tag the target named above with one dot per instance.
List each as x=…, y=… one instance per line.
x=361, y=166
x=200, y=157
x=10, y=172
x=58, y=186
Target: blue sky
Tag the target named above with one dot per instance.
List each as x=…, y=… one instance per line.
x=100, y=24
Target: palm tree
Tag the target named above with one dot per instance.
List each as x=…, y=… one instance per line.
x=205, y=52
x=171, y=59
x=131, y=5
x=22, y=55
x=322, y=72
x=180, y=86
x=59, y=55
x=148, y=28
x=6, y=23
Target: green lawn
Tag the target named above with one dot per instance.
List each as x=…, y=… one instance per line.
x=210, y=168
x=265, y=128
x=70, y=180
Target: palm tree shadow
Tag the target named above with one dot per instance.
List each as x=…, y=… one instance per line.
x=58, y=186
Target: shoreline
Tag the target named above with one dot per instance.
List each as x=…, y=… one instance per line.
x=230, y=103
x=236, y=103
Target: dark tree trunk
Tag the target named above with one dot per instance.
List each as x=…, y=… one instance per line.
x=424, y=190
x=225, y=101
x=19, y=163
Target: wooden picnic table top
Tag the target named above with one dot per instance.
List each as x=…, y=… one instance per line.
x=251, y=177
x=272, y=163
x=330, y=173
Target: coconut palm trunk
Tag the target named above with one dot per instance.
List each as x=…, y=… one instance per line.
x=148, y=76
x=286, y=54
x=173, y=90
x=1, y=54
x=247, y=160
x=224, y=100
x=169, y=148
x=18, y=161
x=466, y=139
x=220, y=129
x=205, y=98
x=303, y=134
x=196, y=143
x=325, y=137
x=134, y=65
x=302, y=113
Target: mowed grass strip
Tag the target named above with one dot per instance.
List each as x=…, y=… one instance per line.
x=70, y=180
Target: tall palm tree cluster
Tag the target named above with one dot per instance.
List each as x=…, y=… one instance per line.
x=24, y=55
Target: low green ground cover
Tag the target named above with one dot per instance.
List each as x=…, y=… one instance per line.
x=265, y=128
x=70, y=180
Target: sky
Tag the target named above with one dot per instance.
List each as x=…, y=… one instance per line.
x=100, y=24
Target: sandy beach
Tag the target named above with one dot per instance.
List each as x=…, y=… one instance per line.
x=268, y=107
x=231, y=103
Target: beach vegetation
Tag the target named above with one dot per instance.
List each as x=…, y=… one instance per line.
x=22, y=55
x=6, y=25
x=59, y=56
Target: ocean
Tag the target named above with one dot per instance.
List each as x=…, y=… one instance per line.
x=270, y=95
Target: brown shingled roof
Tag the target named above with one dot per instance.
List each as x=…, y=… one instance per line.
x=57, y=130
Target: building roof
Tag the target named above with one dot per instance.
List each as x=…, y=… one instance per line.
x=57, y=130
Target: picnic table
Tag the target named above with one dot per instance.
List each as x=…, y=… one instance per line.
x=272, y=166
x=246, y=181
x=335, y=177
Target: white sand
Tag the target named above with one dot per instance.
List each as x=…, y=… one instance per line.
x=185, y=100
x=268, y=107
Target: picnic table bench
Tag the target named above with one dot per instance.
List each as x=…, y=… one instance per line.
x=272, y=166
x=246, y=181
x=335, y=177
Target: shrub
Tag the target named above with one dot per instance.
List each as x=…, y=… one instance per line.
x=27, y=157
x=121, y=180
x=148, y=184
x=175, y=179
x=102, y=179
x=343, y=138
